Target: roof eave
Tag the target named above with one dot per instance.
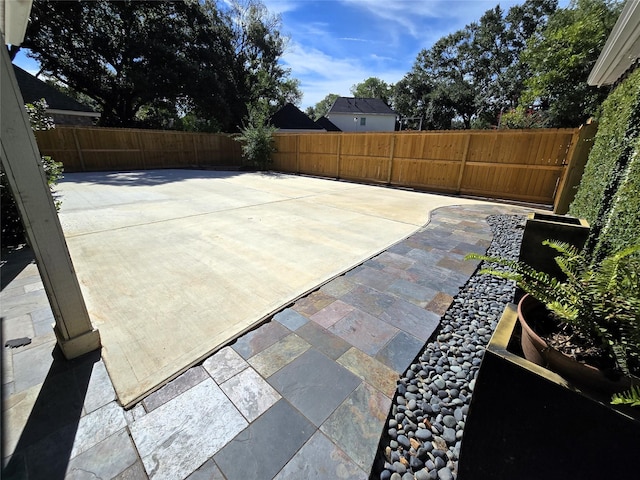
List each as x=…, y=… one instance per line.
x=14, y=16
x=622, y=48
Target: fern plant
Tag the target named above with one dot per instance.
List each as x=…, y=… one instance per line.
x=629, y=397
x=601, y=302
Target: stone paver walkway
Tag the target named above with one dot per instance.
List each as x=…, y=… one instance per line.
x=303, y=396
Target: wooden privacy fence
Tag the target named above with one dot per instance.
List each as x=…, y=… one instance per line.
x=85, y=149
x=523, y=165
x=539, y=166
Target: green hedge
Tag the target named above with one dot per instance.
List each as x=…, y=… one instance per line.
x=608, y=195
x=623, y=225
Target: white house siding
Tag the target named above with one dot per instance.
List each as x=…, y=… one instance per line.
x=375, y=122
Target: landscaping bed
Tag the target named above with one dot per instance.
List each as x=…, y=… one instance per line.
x=424, y=430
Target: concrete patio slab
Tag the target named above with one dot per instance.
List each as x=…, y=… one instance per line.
x=175, y=263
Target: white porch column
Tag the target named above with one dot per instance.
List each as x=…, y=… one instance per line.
x=21, y=163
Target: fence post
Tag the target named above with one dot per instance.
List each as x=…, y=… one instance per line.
x=80, y=156
x=141, y=147
x=195, y=149
x=392, y=148
x=576, y=159
x=465, y=153
x=298, y=154
x=338, y=156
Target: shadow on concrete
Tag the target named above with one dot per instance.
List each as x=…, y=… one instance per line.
x=14, y=261
x=137, y=178
x=45, y=446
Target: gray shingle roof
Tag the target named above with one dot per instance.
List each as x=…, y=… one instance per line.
x=290, y=117
x=327, y=124
x=361, y=106
x=33, y=89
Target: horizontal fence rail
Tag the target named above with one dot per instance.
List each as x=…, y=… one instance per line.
x=523, y=165
x=538, y=166
x=86, y=149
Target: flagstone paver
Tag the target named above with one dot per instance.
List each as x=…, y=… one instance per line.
x=260, y=451
x=179, y=436
x=355, y=425
x=224, y=364
x=250, y=393
x=311, y=462
x=279, y=354
x=314, y=384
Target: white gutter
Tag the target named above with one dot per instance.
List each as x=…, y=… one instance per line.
x=622, y=49
x=14, y=15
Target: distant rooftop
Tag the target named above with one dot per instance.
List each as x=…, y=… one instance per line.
x=33, y=89
x=290, y=117
x=369, y=106
x=327, y=124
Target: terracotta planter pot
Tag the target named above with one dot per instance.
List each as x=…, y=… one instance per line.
x=537, y=350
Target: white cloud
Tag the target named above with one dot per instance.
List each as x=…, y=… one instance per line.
x=281, y=6
x=409, y=17
x=321, y=74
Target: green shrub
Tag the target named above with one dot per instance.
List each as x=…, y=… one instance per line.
x=520, y=118
x=12, y=229
x=256, y=138
x=608, y=193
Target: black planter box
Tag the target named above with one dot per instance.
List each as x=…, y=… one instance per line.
x=547, y=226
x=526, y=422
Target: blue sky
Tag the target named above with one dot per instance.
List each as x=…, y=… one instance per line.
x=335, y=44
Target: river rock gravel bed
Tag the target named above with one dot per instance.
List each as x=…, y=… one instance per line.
x=425, y=427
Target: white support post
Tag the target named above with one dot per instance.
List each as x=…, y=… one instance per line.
x=21, y=163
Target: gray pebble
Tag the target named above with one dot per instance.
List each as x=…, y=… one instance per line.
x=449, y=421
x=404, y=441
x=443, y=474
x=422, y=474
x=399, y=467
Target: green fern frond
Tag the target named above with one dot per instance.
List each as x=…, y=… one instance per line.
x=629, y=397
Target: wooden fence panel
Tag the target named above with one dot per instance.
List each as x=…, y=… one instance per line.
x=94, y=149
x=440, y=176
x=318, y=156
x=61, y=145
x=524, y=165
x=285, y=159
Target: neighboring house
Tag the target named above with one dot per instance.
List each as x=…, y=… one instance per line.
x=290, y=119
x=362, y=115
x=64, y=109
x=327, y=124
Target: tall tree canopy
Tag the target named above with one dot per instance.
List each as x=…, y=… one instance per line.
x=321, y=108
x=560, y=58
x=258, y=45
x=475, y=73
x=147, y=62
x=372, y=87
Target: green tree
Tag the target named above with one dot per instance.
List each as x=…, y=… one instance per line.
x=179, y=64
x=258, y=45
x=474, y=74
x=126, y=55
x=560, y=58
x=372, y=87
x=322, y=107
